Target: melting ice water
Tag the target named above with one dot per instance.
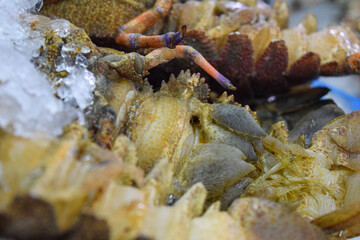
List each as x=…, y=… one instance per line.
x=28, y=106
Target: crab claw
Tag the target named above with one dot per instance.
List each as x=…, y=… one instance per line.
x=172, y=39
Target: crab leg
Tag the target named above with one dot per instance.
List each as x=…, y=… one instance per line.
x=163, y=55
x=136, y=40
x=149, y=18
x=129, y=34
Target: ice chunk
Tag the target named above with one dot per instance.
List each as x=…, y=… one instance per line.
x=71, y=47
x=35, y=5
x=77, y=88
x=20, y=6
x=81, y=60
x=65, y=62
x=28, y=106
x=61, y=27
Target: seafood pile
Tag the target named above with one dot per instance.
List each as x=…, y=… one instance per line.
x=180, y=162
x=257, y=52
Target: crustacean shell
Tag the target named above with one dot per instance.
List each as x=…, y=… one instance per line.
x=160, y=160
x=162, y=126
x=258, y=53
x=72, y=182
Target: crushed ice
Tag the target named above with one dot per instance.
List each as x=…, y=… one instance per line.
x=72, y=89
x=61, y=27
x=28, y=105
x=75, y=89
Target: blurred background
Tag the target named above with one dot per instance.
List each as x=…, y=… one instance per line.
x=345, y=91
